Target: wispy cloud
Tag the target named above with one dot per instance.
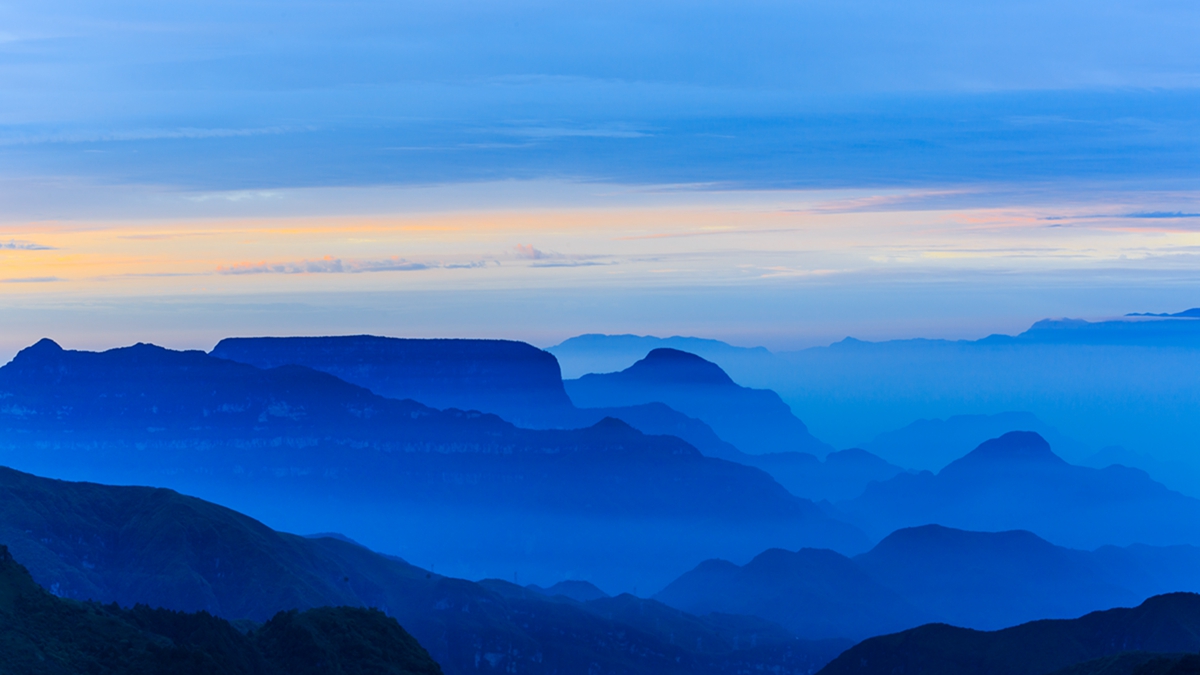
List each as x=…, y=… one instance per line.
x=1162, y=214
x=549, y=259
x=19, y=245
x=150, y=134
x=331, y=265
x=571, y=263
x=541, y=132
x=528, y=252
x=30, y=280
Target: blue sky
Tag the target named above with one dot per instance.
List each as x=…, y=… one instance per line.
x=136, y=121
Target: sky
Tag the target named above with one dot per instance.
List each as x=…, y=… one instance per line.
x=774, y=173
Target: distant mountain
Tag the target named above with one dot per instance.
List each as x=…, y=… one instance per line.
x=1193, y=313
x=580, y=591
x=514, y=380
x=990, y=580
x=932, y=444
x=520, y=384
x=815, y=593
x=154, y=546
x=978, y=580
x=1165, y=623
x=597, y=353
x=755, y=421
x=1015, y=482
x=1146, y=333
x=44, y=635
x=470, y=493
x=1103, y=383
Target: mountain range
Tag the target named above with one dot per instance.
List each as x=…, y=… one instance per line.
x=1106, y=383
x=1017, y=482
x=514, y=380
x=978, y=580
x=448, y=373
x=756, y=421
x=305, y=451
x=134, y=545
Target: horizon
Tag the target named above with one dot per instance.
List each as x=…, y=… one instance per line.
x=534, y=171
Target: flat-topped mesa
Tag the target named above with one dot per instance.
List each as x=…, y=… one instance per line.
x=515, y=380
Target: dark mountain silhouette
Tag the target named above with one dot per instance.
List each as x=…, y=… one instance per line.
x=815, y=593
x=308, y=452
x=979, y=580
x=753, y=420
x=1017, y=482
x=932, y=444
x=1137, y=663
x=1165, y=623
x=144, y=545
x=580, y=591
x=44, y=635
x=514, y=380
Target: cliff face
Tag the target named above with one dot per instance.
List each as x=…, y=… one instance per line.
x=514, y=380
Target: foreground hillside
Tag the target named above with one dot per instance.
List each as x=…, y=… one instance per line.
x=154, y=546
x=471, y=493
x=44, y=635
x=1162, y=624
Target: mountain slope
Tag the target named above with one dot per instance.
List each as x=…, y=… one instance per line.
x=143, y=545
x=932, y=444
x=978, y=580
x=991, y=580
x=1016, y=482
x=1166, y=623
x=305, y=451
x=514, y=380
x=818, y=594
x=755, y=421
x=41, y=634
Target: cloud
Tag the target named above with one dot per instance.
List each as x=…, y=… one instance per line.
x=572, y=263
x=549, y=259
x=331, y=265
x=30, y=280
x=18, y=245
x=191, y=133
x=1162, y=214
x=528, y=252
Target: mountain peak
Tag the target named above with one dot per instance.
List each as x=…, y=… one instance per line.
x=674, y=366
x=1014, y=447
x=40, y=349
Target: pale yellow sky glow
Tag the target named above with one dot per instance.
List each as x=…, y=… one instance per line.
x=792, y=267
x=721, y=239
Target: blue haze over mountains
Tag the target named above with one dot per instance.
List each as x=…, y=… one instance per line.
x=1111, y=391
x=660, y=499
